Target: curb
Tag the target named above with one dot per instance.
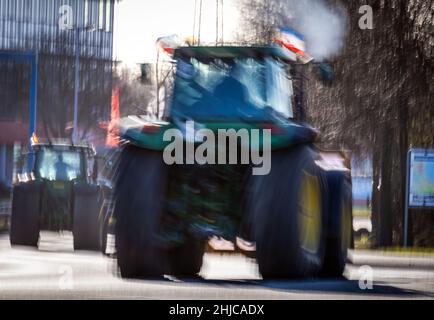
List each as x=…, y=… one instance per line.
x=390, y=259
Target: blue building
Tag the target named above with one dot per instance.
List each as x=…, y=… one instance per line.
x=56, y=31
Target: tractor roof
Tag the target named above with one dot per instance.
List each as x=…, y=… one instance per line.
x=207, y=53
x=61, y=144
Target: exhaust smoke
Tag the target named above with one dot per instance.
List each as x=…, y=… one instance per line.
x=322, y=26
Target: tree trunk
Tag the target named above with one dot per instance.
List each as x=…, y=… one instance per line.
x=375, y=198
x=385, y=206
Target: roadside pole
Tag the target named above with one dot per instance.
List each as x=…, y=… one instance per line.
x=407, y=181
x=76, y=84
x=33, y=105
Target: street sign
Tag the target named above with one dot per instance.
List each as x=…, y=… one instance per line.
x=420, y=183
x=421, y=187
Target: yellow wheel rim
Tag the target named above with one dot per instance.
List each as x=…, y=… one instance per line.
x=310, y=212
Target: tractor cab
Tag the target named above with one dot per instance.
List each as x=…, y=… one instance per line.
x=227, y=87
x=61, y=161
x=232, y=82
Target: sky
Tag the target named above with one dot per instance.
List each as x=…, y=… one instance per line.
x=138, y=24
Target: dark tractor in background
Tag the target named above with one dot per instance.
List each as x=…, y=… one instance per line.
x=60, y=193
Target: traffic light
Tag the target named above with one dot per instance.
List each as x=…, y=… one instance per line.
x=146, y=73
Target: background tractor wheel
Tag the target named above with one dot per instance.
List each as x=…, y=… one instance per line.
x=186, y=260
x=25, y=215
x=106, y=218
x=139, y=195
x=103, y=231
x=340, y=233
x=86, y=217
x=286, y=208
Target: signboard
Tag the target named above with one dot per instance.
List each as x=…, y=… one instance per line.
x=421, y=183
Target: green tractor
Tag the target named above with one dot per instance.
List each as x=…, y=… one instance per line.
x=59, y=193
x=297, y=216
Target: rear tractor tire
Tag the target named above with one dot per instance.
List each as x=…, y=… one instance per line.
x=86, y=217
x=287, y=208
x=340, y=229
x=139, y=194
x=186, y=260
x=25, y=218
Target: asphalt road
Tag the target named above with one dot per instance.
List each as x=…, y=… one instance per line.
x=55, y=271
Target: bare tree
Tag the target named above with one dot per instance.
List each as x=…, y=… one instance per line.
x=380, y=102
x=134, y=94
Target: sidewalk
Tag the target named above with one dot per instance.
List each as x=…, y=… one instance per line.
x=391, y=259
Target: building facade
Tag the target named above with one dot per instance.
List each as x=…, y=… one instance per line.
x=56, y=32
x=39, y=25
